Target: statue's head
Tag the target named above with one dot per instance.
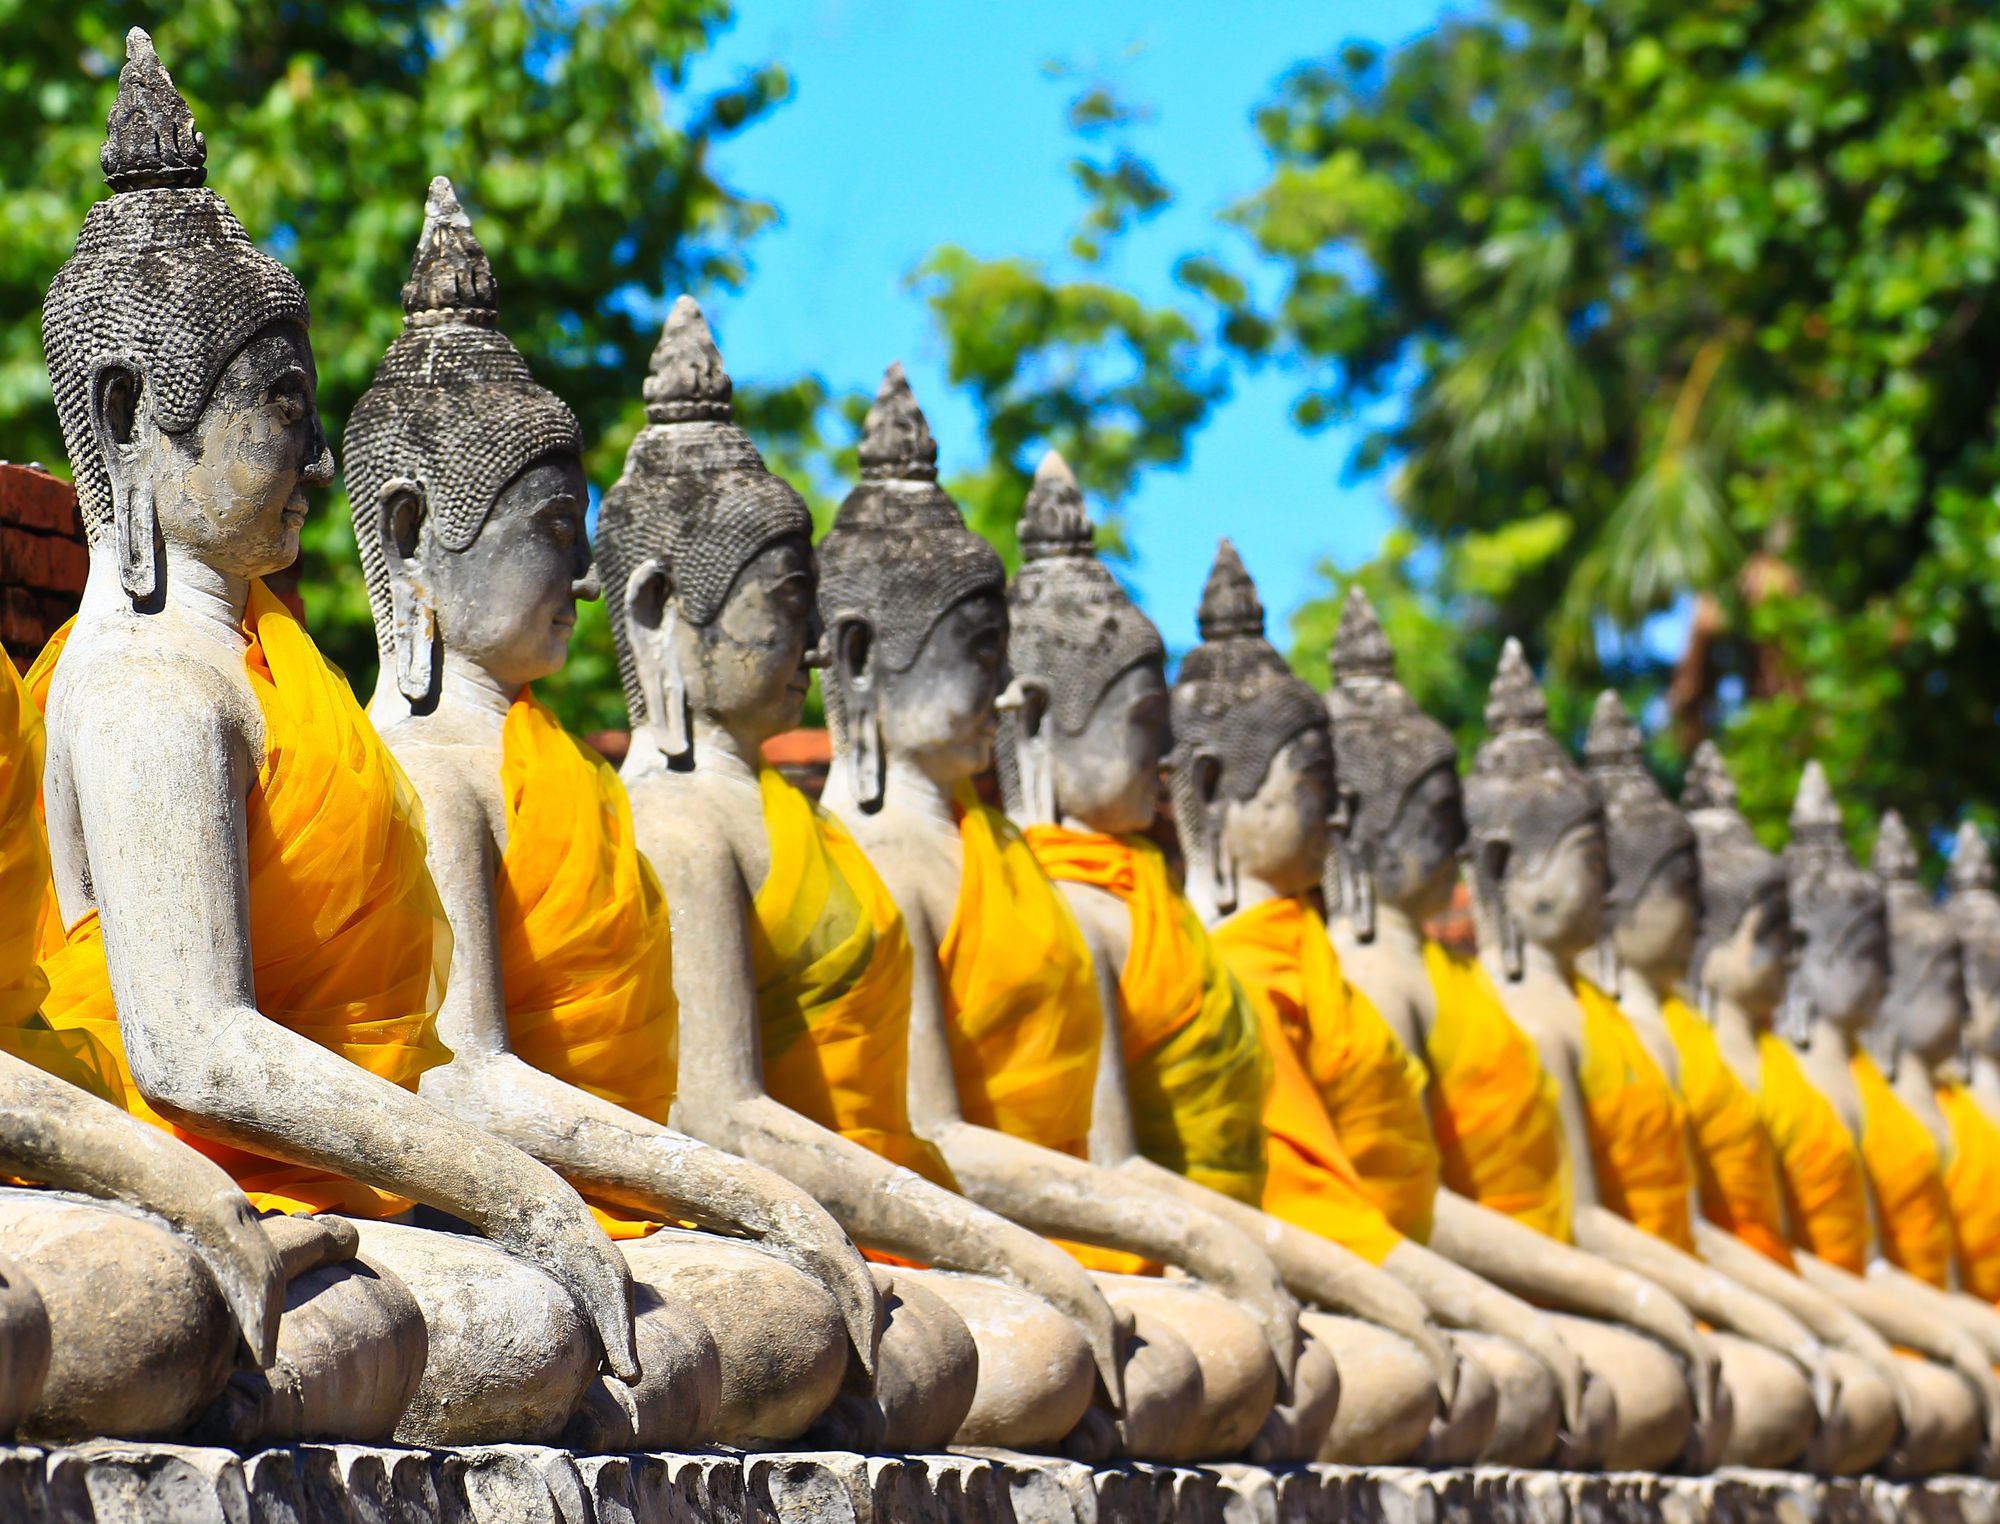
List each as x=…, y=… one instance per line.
x=1252, y=763
x=1087, y=740
x=708, y=562
x=1838, y=912
x=915, y=610
x=1399, y=828
x=1923, y=1009
x=1975, y=910
x=466, y=481
x=1540, y=860
x=179, y=360
x=1655, y=898
x=1744, y=951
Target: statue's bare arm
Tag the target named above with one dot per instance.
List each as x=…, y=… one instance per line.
x=1114, y=1137
x=614, y=1156
x=166, y=854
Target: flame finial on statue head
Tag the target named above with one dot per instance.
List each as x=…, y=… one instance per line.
x=685, y=379
x=150, y=140
x=896, y=442
x=1708, y=785
x=1614, y=739
x=1229, y=603
x=1054, y=521
x=1361, y=648
x=1515, y=701
x=1815, y=812
x=1971, y=865
x=1895, y=859
x=451, y=279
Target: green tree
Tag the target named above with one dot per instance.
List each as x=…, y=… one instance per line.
x=586, y=173
x=1709, y=295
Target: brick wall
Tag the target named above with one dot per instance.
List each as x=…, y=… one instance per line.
x=42, y=559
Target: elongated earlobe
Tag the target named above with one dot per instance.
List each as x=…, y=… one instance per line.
x=135, y=518
x=400, y=512
x=651, y=622
x=1490, y=879
x=676, y=720
x=867, y=762
x=1024, y=708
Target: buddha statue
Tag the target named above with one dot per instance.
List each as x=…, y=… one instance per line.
x=792, y=965
x=1975, y=910
x=1739, y=1226
x=468, y=490
x=1505, y=1203
x=1006, y=1027
x=248, y=927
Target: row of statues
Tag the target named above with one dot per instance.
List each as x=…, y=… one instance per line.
x=408, y=1073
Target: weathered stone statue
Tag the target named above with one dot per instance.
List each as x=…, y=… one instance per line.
x=1739, y=1227
x=468, y=494
x=1975, y=910
x=250, y=929
x=1489, y=1105
x=791, y=962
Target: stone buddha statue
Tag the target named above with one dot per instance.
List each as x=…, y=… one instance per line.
x=250, y=931
x=791, y=962
x=1975, y=910
x=468, y=491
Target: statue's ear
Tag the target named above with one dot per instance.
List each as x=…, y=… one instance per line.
x=1024, y=710
x=651, y=619
x=400, y=511
x=1490, y=857
x=861, y=713
x=1204, y=769
x=115, y=389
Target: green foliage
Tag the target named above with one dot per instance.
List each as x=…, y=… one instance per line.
x=588, y=184
x=1715, y=289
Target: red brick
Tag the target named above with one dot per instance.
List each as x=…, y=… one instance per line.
x=39, y=500
x=52, y=563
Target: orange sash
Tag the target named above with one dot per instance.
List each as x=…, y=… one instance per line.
x=1904, y=1166
x=1973, y=1182
x=1638, y=1127
x=1280, y=954
x=585, y=955
x=1819, y=1165
x=1493, y=1106
x=1193, y=1063
x=1735, y=1164
x=348, y=942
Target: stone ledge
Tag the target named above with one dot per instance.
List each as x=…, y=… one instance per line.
x=114, y=1482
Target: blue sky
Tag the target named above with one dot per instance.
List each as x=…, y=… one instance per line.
x=916, y=124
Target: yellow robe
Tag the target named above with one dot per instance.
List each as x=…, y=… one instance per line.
x=1907, y=1172
x=1638, y=1126
x=1736, y=1167
x=1275, y=952
x=1973, y=1182
x=1194, y=1067
x=1818, y=1162
x=832, y=963
x=348, y=942
x=1493, y=1106
x=585, y=955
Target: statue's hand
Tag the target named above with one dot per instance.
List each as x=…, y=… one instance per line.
x=248, y=1268
x=1244, y=1273
x=564, y=1239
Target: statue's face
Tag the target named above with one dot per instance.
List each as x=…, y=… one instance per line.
x=1558, y=901
x=1279, y=834
x=751, y=666
x=1108, y=776
x=1749, y=967
x=1655, y=932
x=232, y=490
x=507, y=602
x=940, y=713
x=1926, y=995
x=1844, y=969
x=1982, y=989
x=1415, y=864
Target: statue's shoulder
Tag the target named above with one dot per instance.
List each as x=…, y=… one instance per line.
x=119, y=679
x=697, y=830
x=1105, y=919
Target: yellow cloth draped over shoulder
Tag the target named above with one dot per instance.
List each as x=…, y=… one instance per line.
x=586, y=958
x=1194, y=1066
x=1638, y=1126
x=1736, y=1167
x=24, y=887
x=832, y=963
x=349, y=945
x=1906, y=1169
x=1973, y=1181
x=1819, y=1165
x=1493, y=1106
x=1280, y=954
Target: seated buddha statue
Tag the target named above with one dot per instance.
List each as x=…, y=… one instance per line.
x=1739, y=1224
x=1505, y=1203
x=247, y=925
x=1975, y=909
x=792, y=965
x=468, y=490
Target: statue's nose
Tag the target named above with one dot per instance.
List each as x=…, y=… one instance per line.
x=589, y=587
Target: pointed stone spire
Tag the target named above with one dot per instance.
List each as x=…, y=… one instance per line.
x=1055, y=522
x=1515, y=701
x=1361, y=648
x=896, y=442
x=451, y=280
x=1971, y=861
x=1229, y=602
x=1815, y=813
x=1614, y=740
x=1709, y=785
x=1895, y=859
x=150, y=140
x=685, y=380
